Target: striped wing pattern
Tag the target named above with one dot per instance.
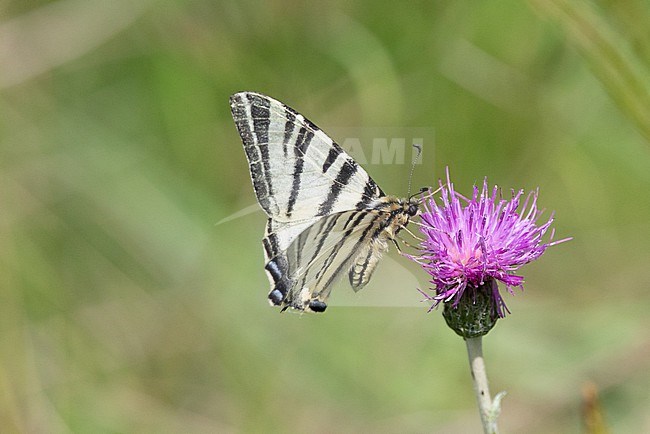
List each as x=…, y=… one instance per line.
x=327, y=249
x=326, y=215
x=298, y=172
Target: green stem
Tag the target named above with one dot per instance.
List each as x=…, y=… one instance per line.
x=479, y=376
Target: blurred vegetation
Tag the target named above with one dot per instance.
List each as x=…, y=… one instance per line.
x=125, y=308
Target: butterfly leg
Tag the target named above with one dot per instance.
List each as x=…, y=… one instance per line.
x=399, y=249
x=406, y=243
x=412, y=234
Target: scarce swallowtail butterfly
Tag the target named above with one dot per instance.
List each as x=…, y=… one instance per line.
x=326, y=215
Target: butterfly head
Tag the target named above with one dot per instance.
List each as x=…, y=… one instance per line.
x=412, y=207
x=412, y=204
x=407, y=207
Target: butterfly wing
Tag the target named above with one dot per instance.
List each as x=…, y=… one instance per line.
x=298, y=172
x=303, y=275
x=366, y=262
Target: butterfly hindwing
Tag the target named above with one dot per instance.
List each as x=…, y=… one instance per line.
x=350, y=241
x=321, y=253
x=366, y=262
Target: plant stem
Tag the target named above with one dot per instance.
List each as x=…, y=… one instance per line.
x=479, y=377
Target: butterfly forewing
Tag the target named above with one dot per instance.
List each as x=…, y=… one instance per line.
x=298, y=172
x=326, y=215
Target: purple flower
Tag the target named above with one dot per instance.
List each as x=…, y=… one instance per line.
x=470, y=243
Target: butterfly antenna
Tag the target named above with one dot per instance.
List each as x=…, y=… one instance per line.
x=415, y=160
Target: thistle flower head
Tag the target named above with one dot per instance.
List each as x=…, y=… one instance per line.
x=471, y=243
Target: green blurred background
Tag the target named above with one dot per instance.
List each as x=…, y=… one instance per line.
x=126, y=308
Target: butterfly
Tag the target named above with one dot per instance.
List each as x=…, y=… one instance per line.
x=326, y=215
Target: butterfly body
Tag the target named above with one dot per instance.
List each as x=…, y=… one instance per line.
x=326, y=215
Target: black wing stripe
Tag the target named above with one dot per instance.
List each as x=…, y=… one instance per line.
x=309, y=234
x=238, y=107
x=337, y=247
x=371, y=191
x=261, y=115
x=331, y=158
x=270, y=241
x=268, y=248
x=301, y=240
x=324, y=234
x=347, y=223
x=288, y=129
x=300, y=150
x=346, y=172
x=357, y=278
